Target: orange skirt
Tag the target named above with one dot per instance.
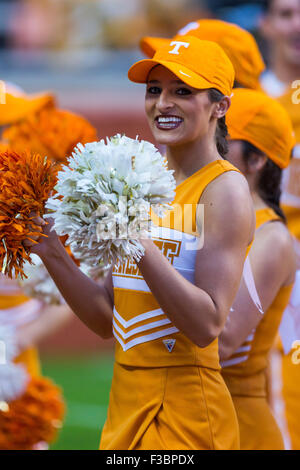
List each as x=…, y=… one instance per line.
x=169, y=408
x=258, y=428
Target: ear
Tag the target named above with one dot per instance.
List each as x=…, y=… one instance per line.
x=256, y=162
x=222, y=107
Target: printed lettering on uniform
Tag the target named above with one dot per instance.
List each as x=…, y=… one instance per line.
x=169, y=343
x=177, y=45
x=169, y=248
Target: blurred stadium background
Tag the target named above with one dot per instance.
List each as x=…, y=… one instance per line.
x=81, y=50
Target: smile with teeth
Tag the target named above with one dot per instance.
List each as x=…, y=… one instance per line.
x=168, y=122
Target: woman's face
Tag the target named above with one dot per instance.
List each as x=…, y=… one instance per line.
x=177, y=113
x=235, y=155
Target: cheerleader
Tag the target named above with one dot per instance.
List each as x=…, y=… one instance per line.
x=261, y=145
x=167, y=310
x=30, y=123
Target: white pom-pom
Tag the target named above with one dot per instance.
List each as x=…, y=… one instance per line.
x=104, y=196
x=13, y=381
x=8, y=345
x=13, y=377
x=39, y=284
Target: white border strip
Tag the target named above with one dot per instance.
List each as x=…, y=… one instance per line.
x=146, y=338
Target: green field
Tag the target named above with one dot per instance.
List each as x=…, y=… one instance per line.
x=86, y=383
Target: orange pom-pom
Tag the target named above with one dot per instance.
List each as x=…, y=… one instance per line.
x=26, y=181
x=50, y=132
x=34, y=417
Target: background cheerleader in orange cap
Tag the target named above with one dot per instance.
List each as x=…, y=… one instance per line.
x=167, y=312
x=239, y=45
x=33, y=123
x=281, y=27
x=261, y=143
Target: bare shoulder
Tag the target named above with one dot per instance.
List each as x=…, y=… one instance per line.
x=276, y=234
x=275, y=243
x=227, y=200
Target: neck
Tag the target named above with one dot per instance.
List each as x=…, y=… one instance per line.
x=186, y=159
x=285, y=71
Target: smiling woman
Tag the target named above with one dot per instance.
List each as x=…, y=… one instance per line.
x=167, y=310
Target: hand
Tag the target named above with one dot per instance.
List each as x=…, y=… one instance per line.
x=44, y=242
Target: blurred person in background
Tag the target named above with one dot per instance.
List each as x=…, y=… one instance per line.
x=280, y=25
x=34, y=123
x=239, y=45
x=261, y=143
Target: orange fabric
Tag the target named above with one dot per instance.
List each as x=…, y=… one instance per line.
x=18, y=107
x=258, y=428
x=30, y=359
x=239, y=45
x=255, y=117
x=200, y=64
x=172, y=408
x=290, y=394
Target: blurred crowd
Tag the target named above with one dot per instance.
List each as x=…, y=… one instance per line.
x=80, y=24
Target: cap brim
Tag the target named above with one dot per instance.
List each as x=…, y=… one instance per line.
x=149, y=45
x=18, y=107
x=139, y=73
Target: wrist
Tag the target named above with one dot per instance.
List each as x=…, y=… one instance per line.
x=53, y=248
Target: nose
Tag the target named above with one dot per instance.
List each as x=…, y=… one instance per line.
x=164, y=102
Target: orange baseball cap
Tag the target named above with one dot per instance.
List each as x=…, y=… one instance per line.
x=239, y=45
x=19, y=105
x=200, y=64
x=261, y=120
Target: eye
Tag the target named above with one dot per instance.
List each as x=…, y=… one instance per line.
x=183, y=91
x=286, y=14
x=153, y=90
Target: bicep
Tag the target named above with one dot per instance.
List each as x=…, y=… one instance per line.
x=219, y=264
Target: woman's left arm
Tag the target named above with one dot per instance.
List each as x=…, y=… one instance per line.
x=199, y=310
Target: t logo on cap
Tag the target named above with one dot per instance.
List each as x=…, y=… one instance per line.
x=177, y=45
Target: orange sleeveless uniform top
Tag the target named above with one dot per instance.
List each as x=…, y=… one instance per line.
x=145, y=335
x=15, y=310
x=244, y=372
x=290, y=197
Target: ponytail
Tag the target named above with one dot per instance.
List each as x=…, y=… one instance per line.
x=269, y=182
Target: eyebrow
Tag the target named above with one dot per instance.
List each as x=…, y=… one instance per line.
x=178, y=82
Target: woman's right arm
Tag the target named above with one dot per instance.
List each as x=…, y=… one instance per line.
x=91, y=301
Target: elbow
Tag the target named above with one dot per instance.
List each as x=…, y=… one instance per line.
x=206, y=338
x=106, y=331
x=211, y=333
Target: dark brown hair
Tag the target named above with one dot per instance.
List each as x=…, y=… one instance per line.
x=216, y=96
x=269, y=182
